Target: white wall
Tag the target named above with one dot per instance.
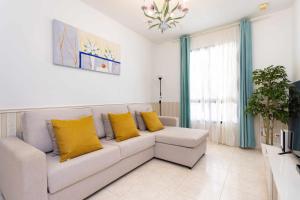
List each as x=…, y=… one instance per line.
x=272, y=44
x=29, y=79
x=167, y=64
x=297, y=39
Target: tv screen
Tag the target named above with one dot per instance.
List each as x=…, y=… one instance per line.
x=294, y=118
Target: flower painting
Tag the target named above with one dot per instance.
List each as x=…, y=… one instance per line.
x=78, y=49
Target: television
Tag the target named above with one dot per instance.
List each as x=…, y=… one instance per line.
x=294, y=118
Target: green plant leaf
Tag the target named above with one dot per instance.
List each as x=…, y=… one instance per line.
x=166, y=10
x=173, y=23
x=175, y=7
x=149, y=16
x=271, y=96
x=169, y=19
x=155, y=7
x=152, y=26
x=176, y=18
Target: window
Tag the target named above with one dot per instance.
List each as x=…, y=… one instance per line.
x=214, y=90
x=213, y=77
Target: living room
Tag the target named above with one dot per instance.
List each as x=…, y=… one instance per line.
x=150, y=99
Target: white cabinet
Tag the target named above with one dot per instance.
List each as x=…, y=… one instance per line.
x=283, y=180
x=271, y=187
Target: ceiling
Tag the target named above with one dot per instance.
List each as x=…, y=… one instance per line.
x=203, y=14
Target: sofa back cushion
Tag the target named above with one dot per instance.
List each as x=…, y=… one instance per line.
x=109, y=133
x=140, y=122
x=105, y=109
x=34, y=123
x=140, y=107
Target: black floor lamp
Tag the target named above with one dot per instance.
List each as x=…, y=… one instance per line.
x=160, y=93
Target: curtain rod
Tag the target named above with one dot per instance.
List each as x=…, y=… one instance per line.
x=226, y=26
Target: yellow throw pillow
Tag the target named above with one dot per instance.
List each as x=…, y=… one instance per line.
x=152, y=121
x=75, y=137
x=123, y=126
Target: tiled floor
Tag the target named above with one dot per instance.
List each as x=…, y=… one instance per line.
x=224, y=173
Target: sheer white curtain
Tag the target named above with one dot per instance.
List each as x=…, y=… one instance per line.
x=214, y=85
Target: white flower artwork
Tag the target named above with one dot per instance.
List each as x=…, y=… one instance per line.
x=78, y=49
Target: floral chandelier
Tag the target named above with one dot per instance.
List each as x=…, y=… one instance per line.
x=164, y=14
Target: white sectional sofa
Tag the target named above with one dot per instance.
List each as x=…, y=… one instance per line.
x=29, y=171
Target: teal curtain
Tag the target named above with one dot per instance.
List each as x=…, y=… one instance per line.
x=247, y=137
x=185, y=120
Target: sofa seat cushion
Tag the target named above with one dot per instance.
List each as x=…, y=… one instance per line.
x=184, y=137
x=133, y=145
x=61, y=175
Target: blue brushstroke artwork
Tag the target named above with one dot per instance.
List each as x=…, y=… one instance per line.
x=78, y=49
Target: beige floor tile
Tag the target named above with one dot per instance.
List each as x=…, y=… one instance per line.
x=172, y=195
x=104, y=195
x=214, y=161
x=224, y=173
x=201, y=189
x=248, y=185
x=247, y=171
x=214, y=173
x=232, y=193
x=145, y=192
x=123, y=185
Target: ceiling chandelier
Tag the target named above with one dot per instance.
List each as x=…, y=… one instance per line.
x=164, y=14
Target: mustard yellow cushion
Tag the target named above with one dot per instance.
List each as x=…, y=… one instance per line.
x=123, y=126
x=152, y=121
x=75, y=137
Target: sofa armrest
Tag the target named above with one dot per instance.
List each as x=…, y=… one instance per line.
x=23, y=170
x=169, y=121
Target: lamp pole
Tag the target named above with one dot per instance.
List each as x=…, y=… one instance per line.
x=160, y=94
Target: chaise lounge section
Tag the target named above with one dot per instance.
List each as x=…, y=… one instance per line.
x=180, y=145
x=29, y=170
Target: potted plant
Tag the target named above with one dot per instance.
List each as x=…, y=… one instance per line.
x=270, y=99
